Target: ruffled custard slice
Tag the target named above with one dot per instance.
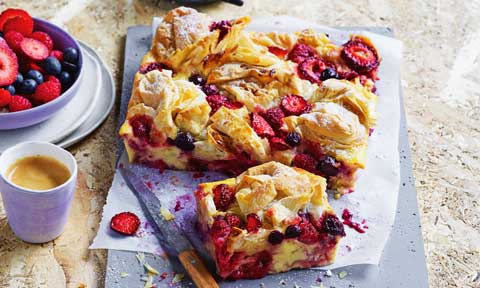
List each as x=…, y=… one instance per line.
x=270, y=219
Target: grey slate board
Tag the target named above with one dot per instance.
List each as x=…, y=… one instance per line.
x=403, y=260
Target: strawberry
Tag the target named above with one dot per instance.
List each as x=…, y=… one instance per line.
x=48, y=90
x=278, y=143
x=8, y=66
x=300, y=52
x=34, y=49
x=274, y=116
x=261, y=126
x=14, y=39
x=19, y=103
x=12, y=13
x=19, y=24
x=126, y=223
x=223, y=195
x=277, y=51
x=360, y=56
x=5, y=98
x=294, y=105
x=311, y=69
x=253, y=223
x=306, y=162
x=44, y=38
x=57, y=54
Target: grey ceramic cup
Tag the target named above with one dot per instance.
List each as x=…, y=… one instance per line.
x=37, y=216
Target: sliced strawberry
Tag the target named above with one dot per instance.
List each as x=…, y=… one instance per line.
x=261, y=126
x=57, y=54
x=311, y=69
x=19, y=24
x=14, y=39
x=12, y=13
x=274, y=116
x=223, y=195
x=44, y=38
x=278, y=143
x=19, y=103
x=48, y=90
x=279, y=52
x=360, y=56
x=306, y=162
x=5, y=98
x=253, y=223
x=34, y=49
x=295, y=105
x=300, y=52
x=126, y=223
x=8, y=66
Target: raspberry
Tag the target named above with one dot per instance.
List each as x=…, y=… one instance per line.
x=19, y=103
x=141, y=126
x=293, y=139
x=275, y=237
x=333, y=226
x=293, y=231
x=126, y=223
x=360, y=56
x=278, y=143
x=223, y=195
x=148, y=67
x=220, y=230
x=224, y=26
x=274, y=116
x=279, y=52
x=17, y=20
x=5, y=98
x=57, y=54
x=48, y=90
x=233, y=220
x=306, y=162
x=14, y=39
x=300, y=52
x=216, y=101
x=34, y=49
x=253, y=223
x=44, y=38
x=311, y=69
x=261, y=127
x=295, y=105
x=309, y=234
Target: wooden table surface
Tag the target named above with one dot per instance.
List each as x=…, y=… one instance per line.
x=441, y=80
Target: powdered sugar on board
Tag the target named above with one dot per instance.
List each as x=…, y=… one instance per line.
x=372, y=205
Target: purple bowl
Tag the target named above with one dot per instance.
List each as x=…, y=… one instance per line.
x=41, y=113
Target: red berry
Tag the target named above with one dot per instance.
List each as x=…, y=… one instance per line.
x=34, y=49
x=295, y=105
x=48, y=90
x=220, y=230
x=233, y=220
x=261, y=126
x=274, y=116
x=57, y=54
x=32, y=65
x=311, y=69
x=8, y=66
x=14, y=39
x=23, y=21
x=19, y=103
x=309, y=234
x=5, y=98
x=126, y=223
x=279, y=52
x=141, y=126
x=223, y=25
x=223, y=196
x=360, y=56
x=300, y=52
x=306, y=162
x=253, y=223
x=147, y=67
x=333, y=226
x=278, y=143
x=217, y=100
x=44, y=38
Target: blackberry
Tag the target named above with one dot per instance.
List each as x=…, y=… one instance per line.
x=275, y=237
x=328, y=166
x=197, y=79
x=293, y=231
x=210, y=89
x=293, y=139
x=333, y=226
x=185, y=141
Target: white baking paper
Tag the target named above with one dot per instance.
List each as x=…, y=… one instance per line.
x=374, y=200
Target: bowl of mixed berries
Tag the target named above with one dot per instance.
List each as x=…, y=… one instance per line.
x=40, y=69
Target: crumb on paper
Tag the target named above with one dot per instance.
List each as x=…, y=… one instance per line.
x=328, y=273
x=296, y=286
x=282, y=282
x=148, y=282
x=150, y=269
x=140, y=257
x=124, y=274
x=317, y=286
x=178, y=278
x=342, y=274
x=166, y=214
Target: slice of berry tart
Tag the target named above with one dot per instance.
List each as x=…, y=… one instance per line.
x=211, y=96
x=270, y=219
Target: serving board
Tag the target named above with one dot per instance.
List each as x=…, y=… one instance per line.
x=403, y=259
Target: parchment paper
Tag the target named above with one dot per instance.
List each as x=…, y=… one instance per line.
x=374, y=200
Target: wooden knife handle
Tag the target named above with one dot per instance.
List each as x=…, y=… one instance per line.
x=197, y=270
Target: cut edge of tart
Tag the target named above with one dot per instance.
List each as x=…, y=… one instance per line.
x=272, y=218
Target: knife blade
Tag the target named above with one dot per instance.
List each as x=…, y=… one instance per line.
x=171, y=233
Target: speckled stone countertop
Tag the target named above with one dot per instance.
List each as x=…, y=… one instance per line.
x=441, y=81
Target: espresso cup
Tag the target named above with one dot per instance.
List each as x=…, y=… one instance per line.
x=37, y=216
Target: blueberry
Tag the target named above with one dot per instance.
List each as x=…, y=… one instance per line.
x=52, y=66
x=197, y=79
x=328, y=73
x=28, y=86
x=19, y=80
x=1, y=34
x=35, y=75
x=69, y=67
x=70, y=55
x=65, y=79
x=328, y=166
x=275, y=237
x=293, y=139
x=333, y=226
x=293, y=231
x=185, y=141
x=210, y=89
x=11, y=89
